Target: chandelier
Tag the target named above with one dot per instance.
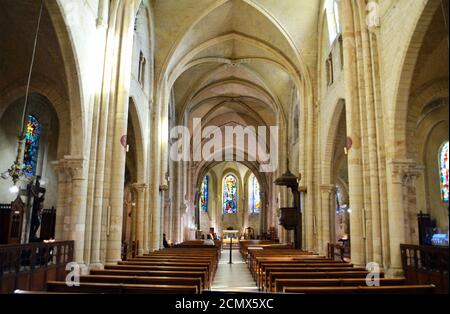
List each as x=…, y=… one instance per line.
x=17, y=169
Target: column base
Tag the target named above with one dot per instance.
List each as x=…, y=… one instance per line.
x=96, y=266
x=394, y=272
x=112, y=262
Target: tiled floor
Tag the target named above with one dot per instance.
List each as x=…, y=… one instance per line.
x=235, y=277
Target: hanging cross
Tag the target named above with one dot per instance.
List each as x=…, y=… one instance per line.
x=37, y=192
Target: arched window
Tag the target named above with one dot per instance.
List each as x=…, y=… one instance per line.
x=254, y=193
x=443, y=171
x=230, y=194
x=204, y=194
x=332, y=12
x=32, y=133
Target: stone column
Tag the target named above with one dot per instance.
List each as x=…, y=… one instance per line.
x=411, y=202
x=146, y=222
x=325, y=218
x=125, y=22
x=355, y=169
x=77, y=219
x=61, y=205
x=156, y=218
x=399, y=220
x=396, y=214
x=139, y=216
x=369, y=65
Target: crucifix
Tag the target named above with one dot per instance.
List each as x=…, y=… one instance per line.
x=37, y=193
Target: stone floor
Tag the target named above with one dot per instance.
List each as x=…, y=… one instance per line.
x=235, y=277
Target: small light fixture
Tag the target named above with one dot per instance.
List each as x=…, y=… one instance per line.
x=14, y=189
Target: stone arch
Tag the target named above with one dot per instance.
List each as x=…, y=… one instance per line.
x=328, y=151
x=435, y=90
x=303, y=68
x=59, y=103
x=73, y=77
x=403, y=83
x=139, y=140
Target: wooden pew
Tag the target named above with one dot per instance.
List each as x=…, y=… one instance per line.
x=265, y=268
x=255, y=255
x=405, y=289
x=259, y=263
x=165, y=262
x=111, y=288
x=162, y=268
x=315, y=275
x=19, y=291
x=155, y=273
x=156, y=280
x=281, y=283
x=264, y=282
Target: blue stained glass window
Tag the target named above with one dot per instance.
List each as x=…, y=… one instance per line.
x=230, y=194
x=254, y=195
x=443, y=171
x=204, y=194
x=32, y=133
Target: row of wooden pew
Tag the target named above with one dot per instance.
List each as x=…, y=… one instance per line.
x=177, y=270
x=279, y=269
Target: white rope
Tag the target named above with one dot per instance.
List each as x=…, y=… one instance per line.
x=445, y=20
x=31, y=67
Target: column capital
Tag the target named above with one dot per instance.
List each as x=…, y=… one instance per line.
x=405, y=170
x=75, y=166
x=327, y=188
x=60, y=169
x=139, y=187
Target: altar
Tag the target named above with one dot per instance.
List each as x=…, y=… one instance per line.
x=230, y=235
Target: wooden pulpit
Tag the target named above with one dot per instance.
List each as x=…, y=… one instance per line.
x=11, y=219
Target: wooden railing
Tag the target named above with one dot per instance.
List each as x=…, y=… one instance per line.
x=335, y=252
x=426, y=265
x=30, y=266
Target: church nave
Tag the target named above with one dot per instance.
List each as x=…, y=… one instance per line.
x=140, y=139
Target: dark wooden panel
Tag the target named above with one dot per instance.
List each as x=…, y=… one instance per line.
x=38, y=279
x=426, y=265
x=29, y=266
x=7, y=284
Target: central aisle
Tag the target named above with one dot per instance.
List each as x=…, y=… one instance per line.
x=235, y=277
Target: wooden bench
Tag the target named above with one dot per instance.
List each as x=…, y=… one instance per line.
x=111, y=288
x=207, y=264
x=264, y=281
x=281, y=283
x=156, y=280
x=165, y=262
x=315, y=275
x=19, y=291
x=155, y=273
x=417, y=289
x=161, y=268
x=266, y=268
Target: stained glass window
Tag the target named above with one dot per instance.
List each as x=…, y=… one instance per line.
x=332, y=12
x=230, y=194
x=254, y=195
x=204, y=194
x=32, y=133
x=443, y=171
